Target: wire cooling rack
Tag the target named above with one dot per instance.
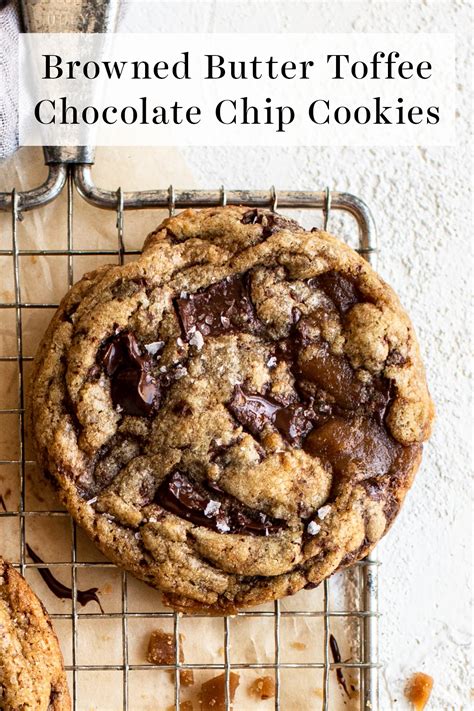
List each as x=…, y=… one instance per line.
x=363, y=612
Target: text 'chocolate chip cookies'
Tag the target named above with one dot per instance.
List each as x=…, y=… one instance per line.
x=235, y=415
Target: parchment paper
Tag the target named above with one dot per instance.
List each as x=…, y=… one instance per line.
x=99, y=640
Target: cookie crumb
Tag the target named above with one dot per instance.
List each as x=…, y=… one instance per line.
x=418, y=690
x=263, y=688
x=212, y=694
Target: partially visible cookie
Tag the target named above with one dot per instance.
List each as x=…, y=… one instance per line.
x=32, y=676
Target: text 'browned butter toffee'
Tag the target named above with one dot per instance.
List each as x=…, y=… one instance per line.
x=236, y=414
x=61, y=591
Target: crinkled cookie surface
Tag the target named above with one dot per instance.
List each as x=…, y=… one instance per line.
x=32, y=676
x=237, y=413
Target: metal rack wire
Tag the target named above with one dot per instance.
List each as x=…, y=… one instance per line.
x=78, y=177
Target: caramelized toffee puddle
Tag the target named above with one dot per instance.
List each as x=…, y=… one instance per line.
x=61, y=591
x=336, y=655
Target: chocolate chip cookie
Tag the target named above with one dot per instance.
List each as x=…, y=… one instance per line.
x=32, y=676
x=236, y=414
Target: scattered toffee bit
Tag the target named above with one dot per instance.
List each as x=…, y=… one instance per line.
x=263, y=688
x=334, y=375
x=212, y=694
x=220, y=308
x=255, y=411
x=162, y=651
x=133, y=387
x=340, y=288
x=359, y=447
x=270, y=221
x=418, y=690
x=336, y=655
x=299, y=646
x=220, y=512
x=59, y=589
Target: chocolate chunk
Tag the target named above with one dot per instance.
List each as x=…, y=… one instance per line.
x=270, y=221
x=222, y=307
x=208, y=507
x=133, y=388
x=185, y=498
x=294, y=423
x=253, y=411
x=340, y=288
x=382, y=397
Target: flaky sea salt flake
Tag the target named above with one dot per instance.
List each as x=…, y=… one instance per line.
x=197, y=340
x=324, y=511
x=153, y=348
x=313, y=528
x=212, y=508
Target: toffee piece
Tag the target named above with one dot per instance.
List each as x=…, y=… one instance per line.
x=235, y=415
